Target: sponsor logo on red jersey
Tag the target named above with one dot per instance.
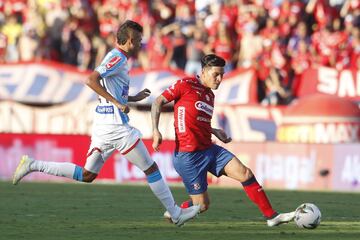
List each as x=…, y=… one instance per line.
x=113, y=62
x=204, y=107
x=202, y=119
x=181, y=119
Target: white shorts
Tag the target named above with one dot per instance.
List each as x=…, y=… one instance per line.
x=108, y=138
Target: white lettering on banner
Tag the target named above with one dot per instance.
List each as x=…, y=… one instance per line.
x=328, y=82
x=41, y=150
x=320, y=133
x=341, y=84
x=27, y=77
x=292, y=170
x=351, y=170
x=36, y=71
x=346, y=85
x=10, y=75
x=125, y=171
x=335, y=133
x=181, y=119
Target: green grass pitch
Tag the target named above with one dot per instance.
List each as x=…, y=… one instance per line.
x=100, y=212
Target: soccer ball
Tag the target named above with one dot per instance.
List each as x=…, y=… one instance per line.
x=308, y=216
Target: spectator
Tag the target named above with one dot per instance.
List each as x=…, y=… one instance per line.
x=276, y=93
x=194, y=52
x=222, y=45
x=184, y=16
x=84, y=53
x=3, y=46
x=250, y=46
x=29, y=44
x=70, y=44
x=163, y=12
x=322, y=12
x=12, y=30
x=355, y=49
x=159, y=49
x=55, y=19
x=300, y=35
x=179, y=45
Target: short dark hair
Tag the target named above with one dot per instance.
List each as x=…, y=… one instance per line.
x=212, y=60
x=123, y=32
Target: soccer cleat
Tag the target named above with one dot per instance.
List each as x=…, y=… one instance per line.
x=185, y=215
x=280, y=219
x=22, y=169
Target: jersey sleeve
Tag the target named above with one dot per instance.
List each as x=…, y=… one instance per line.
x=110, y=65
x=173, y=92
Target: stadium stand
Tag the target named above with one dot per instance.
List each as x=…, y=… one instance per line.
x=278, y=38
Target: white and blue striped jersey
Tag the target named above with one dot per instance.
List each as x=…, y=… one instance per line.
x=114, y=71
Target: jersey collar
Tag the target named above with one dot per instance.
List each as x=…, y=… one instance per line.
x=123, y=52
x=198, y=79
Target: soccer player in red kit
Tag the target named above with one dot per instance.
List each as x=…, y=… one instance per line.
x=195, y=154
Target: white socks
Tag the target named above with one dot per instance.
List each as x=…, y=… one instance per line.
x=61, y=169
x=72, y=171
x=140, y=157
x=163, y=193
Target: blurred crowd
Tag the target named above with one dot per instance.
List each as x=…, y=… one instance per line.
x=278, y=38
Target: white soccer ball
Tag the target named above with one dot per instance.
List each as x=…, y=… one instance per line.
x=308, y=216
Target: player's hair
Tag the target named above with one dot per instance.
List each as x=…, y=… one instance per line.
x=212, y=60
x=123, y=33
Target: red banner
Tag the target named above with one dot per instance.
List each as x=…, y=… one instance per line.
x=345, y=83
x=73, y=148
x=276, y=165
x=299, y=166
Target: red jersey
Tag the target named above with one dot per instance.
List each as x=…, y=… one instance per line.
x=193, y=110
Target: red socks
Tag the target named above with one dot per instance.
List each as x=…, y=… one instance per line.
x=258, y=196
x=186, y=204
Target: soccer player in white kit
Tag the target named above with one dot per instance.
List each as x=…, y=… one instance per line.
x=111, y=130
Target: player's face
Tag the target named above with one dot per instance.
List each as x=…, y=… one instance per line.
x=212, y=76
x=135, y=43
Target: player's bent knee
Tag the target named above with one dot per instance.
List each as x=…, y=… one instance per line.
x=245, y=174
x=153, y=168
x=248, y=173
x=89, y=177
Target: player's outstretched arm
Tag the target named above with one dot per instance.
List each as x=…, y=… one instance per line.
x=221, y=135
x=140, y=95
x=155, y=118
